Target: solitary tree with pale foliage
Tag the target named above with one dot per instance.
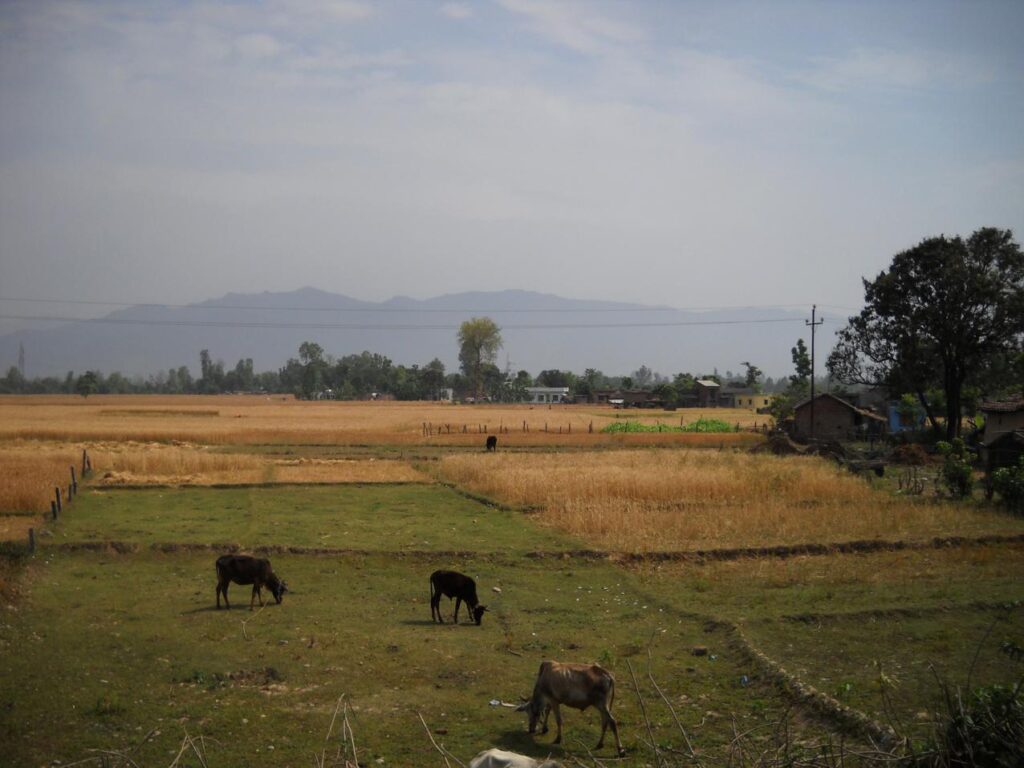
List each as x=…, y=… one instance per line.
x=479, y=342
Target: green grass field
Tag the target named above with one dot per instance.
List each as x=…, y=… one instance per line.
x=100, y=649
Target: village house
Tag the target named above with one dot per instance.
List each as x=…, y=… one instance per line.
x=707, y=391
x=743, y=397
x=1002, y=439
x=835, y=419
x=546, y=395
x=627, y=398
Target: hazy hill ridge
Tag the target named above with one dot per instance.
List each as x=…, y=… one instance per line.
x=540, y=331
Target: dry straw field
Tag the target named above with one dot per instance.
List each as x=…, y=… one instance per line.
x=255, y=420
x=642, y=500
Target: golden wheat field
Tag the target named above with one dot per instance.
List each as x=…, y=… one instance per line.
x=643, y=500
x=30, y=472
x=253, y=420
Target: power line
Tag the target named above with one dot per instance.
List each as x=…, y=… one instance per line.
x=390, y=326
x=561, y=310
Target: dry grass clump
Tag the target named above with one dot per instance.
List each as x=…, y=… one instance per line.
x=640, y=501
x=250, y=420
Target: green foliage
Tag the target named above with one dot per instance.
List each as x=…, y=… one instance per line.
x=87, y=384
x=753, y=376
x=801, y=362
x=1008, y=482
x=943, y=315
x=479, y=342
x=957, y=474
x=700, y=425
x=987, y=731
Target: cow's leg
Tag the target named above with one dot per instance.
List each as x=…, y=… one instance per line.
x=558, y=723
x=544, y=722
x=608, y=721
x=458, y=602
x=223, y=588
x=435, y=609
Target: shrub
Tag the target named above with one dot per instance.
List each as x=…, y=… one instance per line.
x=957, y=474
x=911, y=454
x=986, y=731
x=1008, y=482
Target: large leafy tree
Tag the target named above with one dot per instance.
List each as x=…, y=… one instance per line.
x=942, y=315
x=479, y=342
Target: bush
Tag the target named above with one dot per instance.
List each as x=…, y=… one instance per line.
x=957, y=474
x=911, y=454
x=987, y=732
x=1008, y=482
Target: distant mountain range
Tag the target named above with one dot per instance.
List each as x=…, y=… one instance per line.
x=540, y=331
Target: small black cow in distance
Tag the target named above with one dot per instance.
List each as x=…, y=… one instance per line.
x=454, y=585
x=243, y=569
x=492, y=443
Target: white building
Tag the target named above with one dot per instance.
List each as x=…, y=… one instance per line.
x=548, y=394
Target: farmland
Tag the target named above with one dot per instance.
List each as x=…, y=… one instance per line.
x=584, y=546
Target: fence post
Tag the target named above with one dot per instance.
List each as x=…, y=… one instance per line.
x=570, y=427
x=60, y=507
x=74, y=481
x=53, y=509
x=31, y=541
x=590, y=429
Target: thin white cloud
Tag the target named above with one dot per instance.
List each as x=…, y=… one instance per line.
x=864, y=68
x=343, y=11
x=458, y=11
x=575, y=25
x=258, y=46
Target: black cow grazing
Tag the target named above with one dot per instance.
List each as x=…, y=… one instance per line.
x=492, y=442
x=243, y=569
x=454, y=585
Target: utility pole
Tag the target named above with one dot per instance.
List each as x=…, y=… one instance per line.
x=813, y=326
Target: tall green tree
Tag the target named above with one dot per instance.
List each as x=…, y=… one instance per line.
x=939, y=316
x=753, y=377
x=801, y=364
x=479, y=342
x=87, y=384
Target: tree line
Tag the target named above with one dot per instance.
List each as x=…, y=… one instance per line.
x=941, y=328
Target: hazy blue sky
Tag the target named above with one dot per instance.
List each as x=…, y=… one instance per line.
x=690, y=154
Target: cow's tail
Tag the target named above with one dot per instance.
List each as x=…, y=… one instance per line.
x=431, y=590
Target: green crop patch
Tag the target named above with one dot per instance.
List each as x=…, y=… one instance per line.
x=105, y=648
x=409, y=517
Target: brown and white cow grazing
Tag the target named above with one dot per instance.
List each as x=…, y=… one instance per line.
x=244, y=569
x=453, y=584
x=499, y=758
x=575, y=685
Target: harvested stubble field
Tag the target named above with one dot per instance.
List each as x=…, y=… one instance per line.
x=115, y=645
x=256, y=420
x=643, y=500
